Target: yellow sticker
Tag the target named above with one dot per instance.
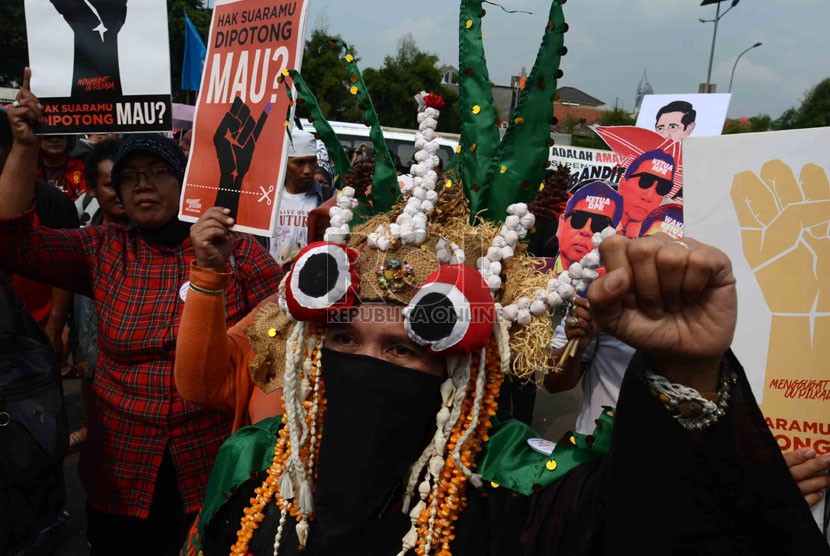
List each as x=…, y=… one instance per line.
x=272, y=332
x=458, y=148
x=494, y=484
x=476, y=109
x=349, y=58
x=285, y=72
x=449, y=182
x=502, y=169
x=353, y=90
x=469, y=23
x=550, y=465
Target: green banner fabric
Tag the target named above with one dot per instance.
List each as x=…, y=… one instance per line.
x=508, y=460
x=523, y=155
x=479, y=127
x=385, y=190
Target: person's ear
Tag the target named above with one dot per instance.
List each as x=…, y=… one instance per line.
x=692, y=127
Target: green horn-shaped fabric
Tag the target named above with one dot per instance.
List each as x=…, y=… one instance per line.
x=321, y=125
x=522, y=157
x=479, y=131
x=385, y=190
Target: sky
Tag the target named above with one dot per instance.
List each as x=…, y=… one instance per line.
x=611, y=42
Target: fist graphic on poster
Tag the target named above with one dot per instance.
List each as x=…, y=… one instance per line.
x=235, y=140
x=784, y=230
x=104, y=17
x=95, y=24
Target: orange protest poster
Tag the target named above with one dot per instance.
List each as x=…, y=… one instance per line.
x=238, y=152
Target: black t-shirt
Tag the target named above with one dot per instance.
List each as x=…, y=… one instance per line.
x=53, y=208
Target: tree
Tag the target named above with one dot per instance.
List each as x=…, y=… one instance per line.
x=326, y=75
x=15, y=50
x=617, y=116
x=403, y=76
x=200, y=16
x=813, y=112
x=753, y=124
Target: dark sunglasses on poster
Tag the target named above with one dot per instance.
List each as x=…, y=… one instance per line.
x=647, y=181
x=598, y=221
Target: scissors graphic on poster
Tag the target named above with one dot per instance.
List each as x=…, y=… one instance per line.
x=265, y=195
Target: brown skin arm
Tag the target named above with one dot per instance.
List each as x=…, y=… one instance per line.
x=17, y=182
x=61, y=302
x=586, y=330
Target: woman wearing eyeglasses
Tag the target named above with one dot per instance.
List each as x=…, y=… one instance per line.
x=646, y=182
x=149, y=453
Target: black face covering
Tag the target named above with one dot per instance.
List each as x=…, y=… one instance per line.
x=379, y=417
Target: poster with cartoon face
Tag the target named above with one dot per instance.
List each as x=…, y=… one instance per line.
x=676, y=117
x=590, y=210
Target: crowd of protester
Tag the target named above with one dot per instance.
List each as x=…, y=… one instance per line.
x=91, y=239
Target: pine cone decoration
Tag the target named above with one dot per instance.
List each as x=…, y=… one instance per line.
x=360, y=177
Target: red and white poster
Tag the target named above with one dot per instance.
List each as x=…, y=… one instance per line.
x=238, y=153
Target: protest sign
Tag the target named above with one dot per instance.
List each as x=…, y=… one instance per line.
x=764, y=199
x=591, y=209
x=684, y=115
x=239, y=143
x=99, y=67
x=586, y=164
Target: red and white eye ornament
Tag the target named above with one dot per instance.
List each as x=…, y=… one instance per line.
x=323, y=280
x=453, y=312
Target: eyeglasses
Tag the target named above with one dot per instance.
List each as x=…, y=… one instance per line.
x=155, y=175
x=598, y=221
x=647, y=181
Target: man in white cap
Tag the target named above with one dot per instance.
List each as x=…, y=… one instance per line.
x=300, y=196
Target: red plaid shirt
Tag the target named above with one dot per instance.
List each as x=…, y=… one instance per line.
x=138, y=412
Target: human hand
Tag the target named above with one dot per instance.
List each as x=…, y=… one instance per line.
x=584, y=327
x=674, y=300
x=784, y=230
x=24, y=117
x=809, y=471
x=235, y=140
x=212, y=239
x=100, y=16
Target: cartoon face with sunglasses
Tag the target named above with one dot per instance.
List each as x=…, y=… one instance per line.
x=648, y=180
x=592, y=208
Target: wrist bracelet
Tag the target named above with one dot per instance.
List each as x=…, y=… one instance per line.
x=205, y=291
x=693, y=411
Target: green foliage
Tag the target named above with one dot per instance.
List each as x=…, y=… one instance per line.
x=617, y=116
x=593, y=142
x=15, y=50
x=813, y=112
x=403, y=76
x=327, y=76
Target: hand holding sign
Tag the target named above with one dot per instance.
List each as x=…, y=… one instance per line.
x=235, y=140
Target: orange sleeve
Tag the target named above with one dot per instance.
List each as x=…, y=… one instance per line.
x=211, y=366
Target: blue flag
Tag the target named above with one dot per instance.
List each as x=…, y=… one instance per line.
x=194, y=56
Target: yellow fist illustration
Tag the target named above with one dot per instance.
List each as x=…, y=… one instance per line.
x=784, y=230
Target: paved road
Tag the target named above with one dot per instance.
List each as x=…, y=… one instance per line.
x=554, y=414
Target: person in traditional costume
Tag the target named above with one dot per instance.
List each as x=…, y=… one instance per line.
x=380, y=360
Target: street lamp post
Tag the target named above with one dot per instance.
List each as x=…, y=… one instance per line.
x=735, y=65
x=707, y=87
